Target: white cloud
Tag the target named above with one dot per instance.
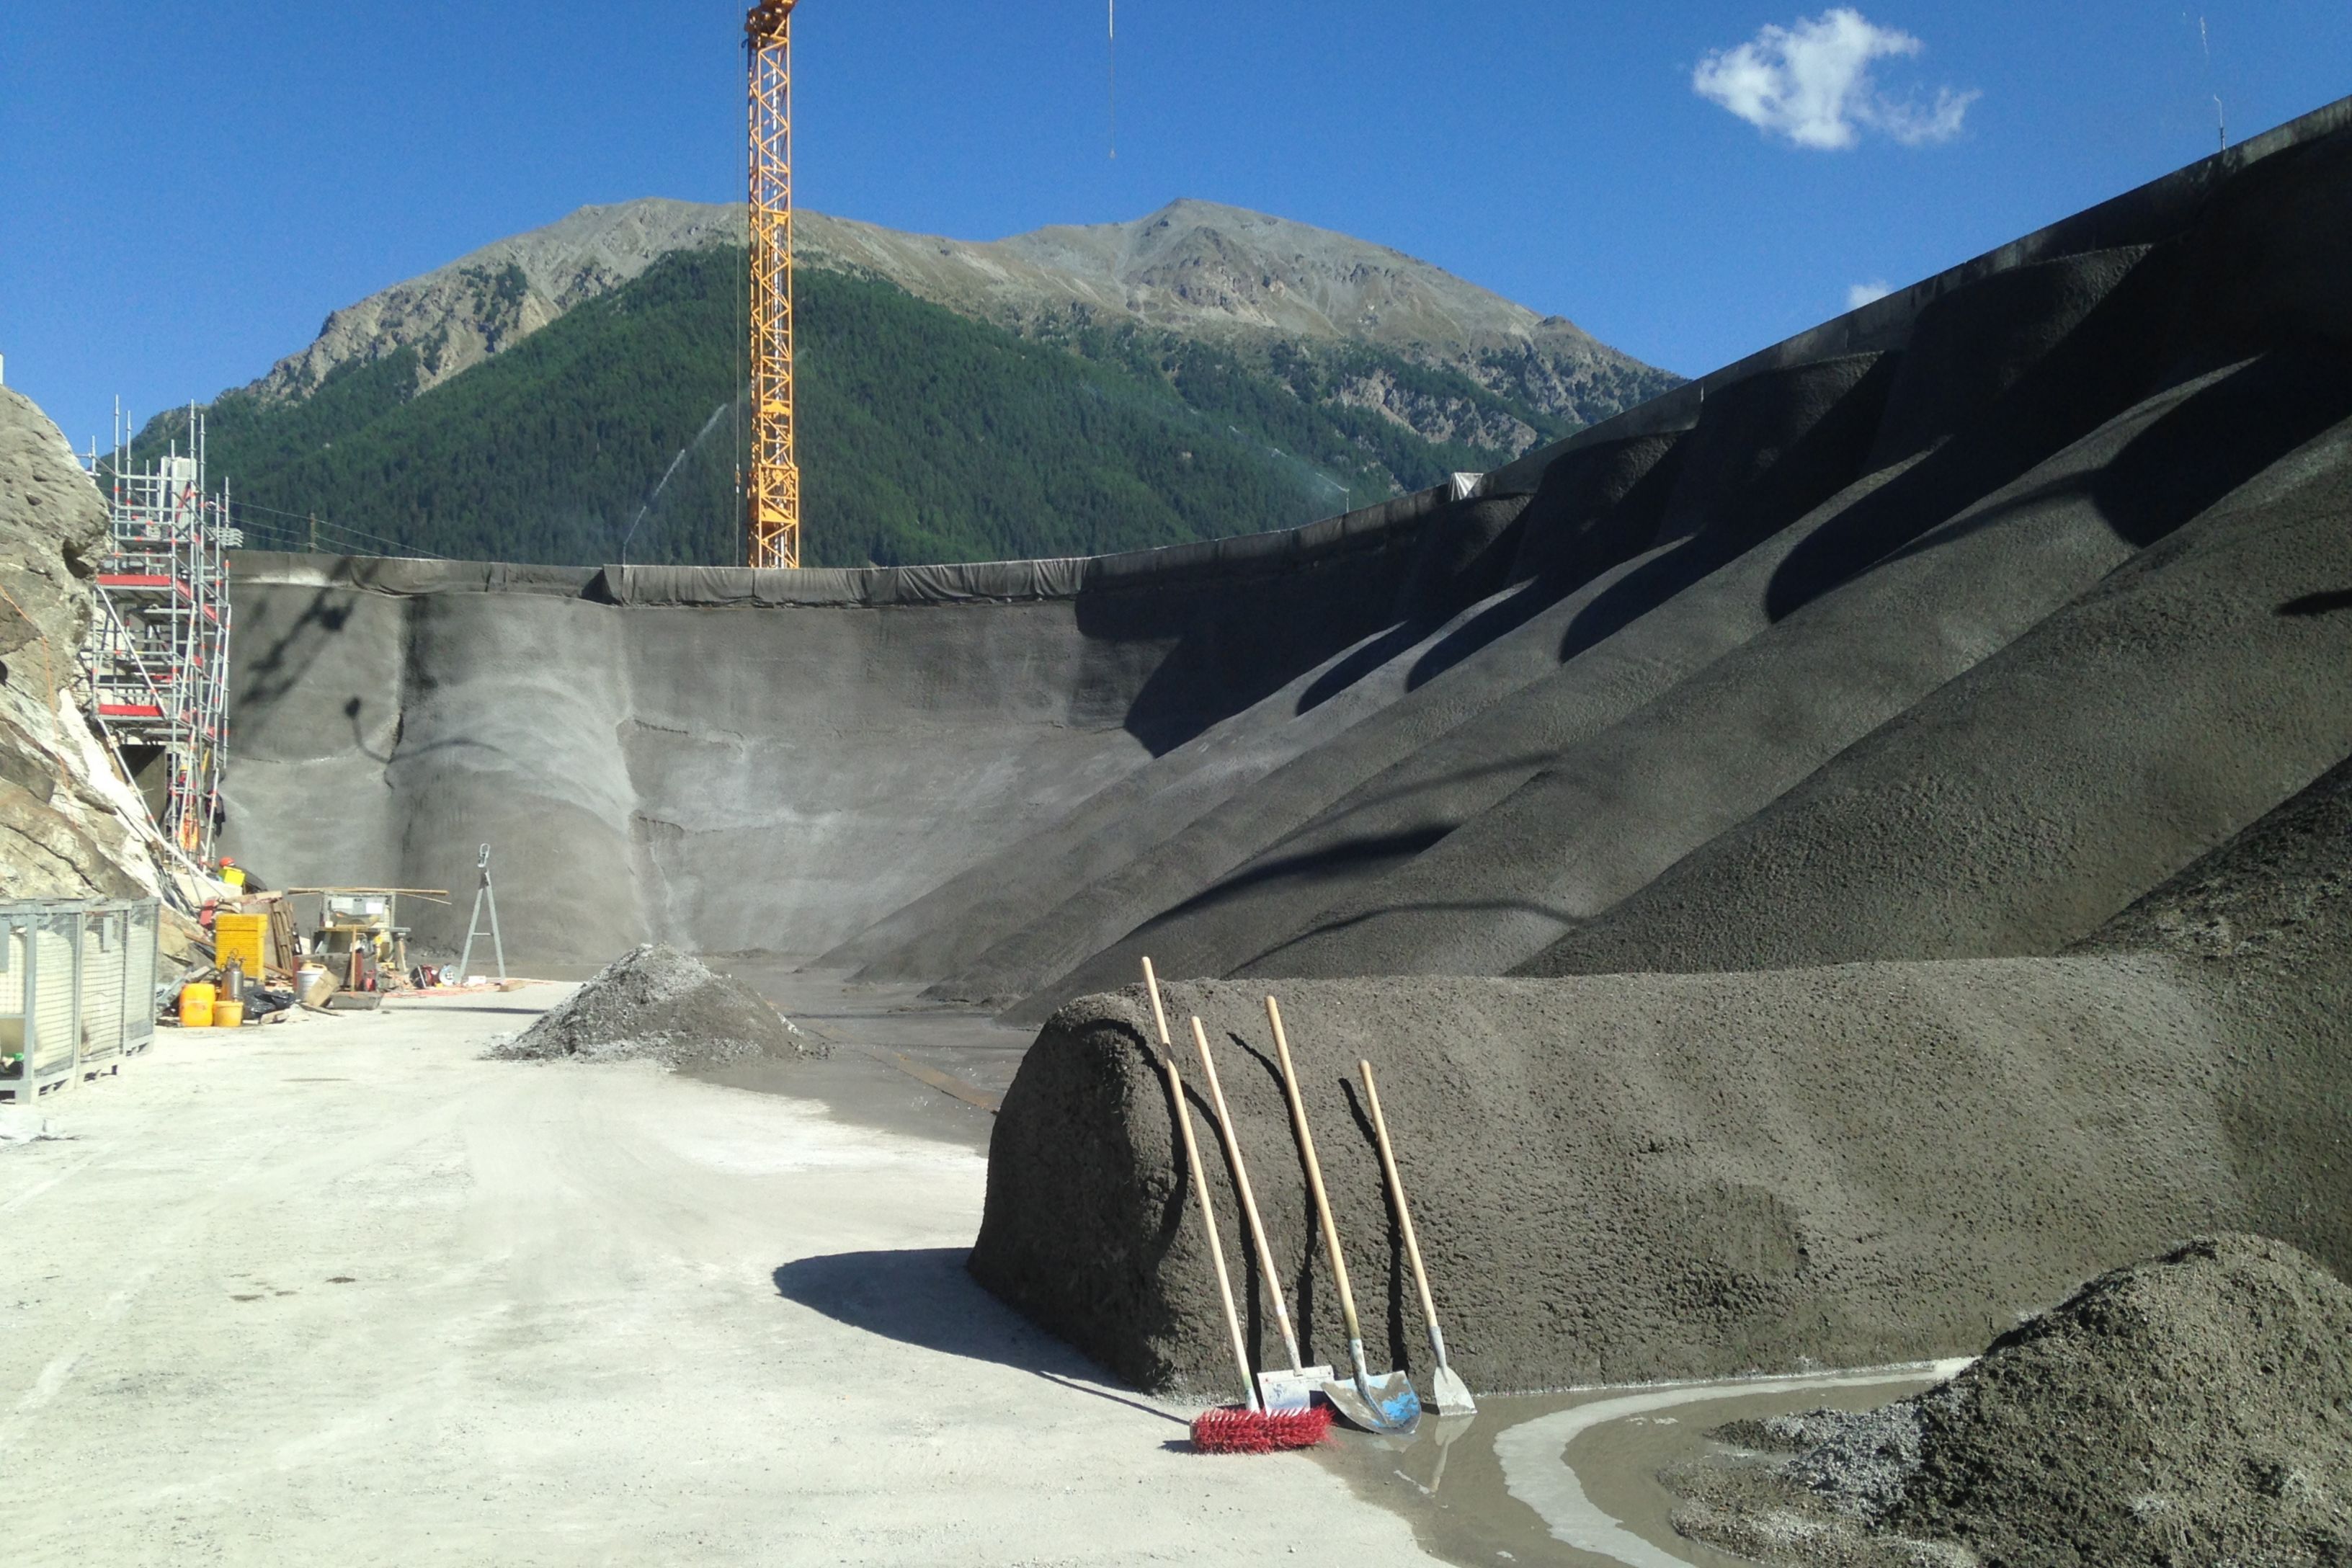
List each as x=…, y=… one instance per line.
x=1811, y=83
x=1857, y=295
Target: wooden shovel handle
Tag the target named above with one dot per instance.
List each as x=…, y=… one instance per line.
x=1158, y=1014
x=1314, y=1173
x=1265, y=1265
x=1209, y=1222
x=1396, y=1188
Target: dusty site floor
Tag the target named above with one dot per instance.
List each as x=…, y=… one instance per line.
x=341, y=1292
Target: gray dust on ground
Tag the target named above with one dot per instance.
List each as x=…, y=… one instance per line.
x=654, y=1003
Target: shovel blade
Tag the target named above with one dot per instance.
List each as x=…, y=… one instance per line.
x=1376, y=1403
x=1449, y=1394
x=1291, y=1390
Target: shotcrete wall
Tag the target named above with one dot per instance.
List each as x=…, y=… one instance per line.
x=694, y=757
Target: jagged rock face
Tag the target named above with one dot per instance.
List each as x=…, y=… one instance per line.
x=69, y=828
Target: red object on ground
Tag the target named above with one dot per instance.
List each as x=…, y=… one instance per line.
x=1238, y=1429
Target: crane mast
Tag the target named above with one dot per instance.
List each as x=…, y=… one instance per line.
x=773, y=500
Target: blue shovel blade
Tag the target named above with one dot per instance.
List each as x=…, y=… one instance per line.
x=1376, y=1403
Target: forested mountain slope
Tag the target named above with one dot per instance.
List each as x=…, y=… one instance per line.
x=1202, y=373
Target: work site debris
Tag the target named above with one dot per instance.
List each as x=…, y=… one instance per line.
x=2194, y=1408
x=656, y=1003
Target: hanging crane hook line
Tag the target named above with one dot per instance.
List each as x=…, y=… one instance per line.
x=1113, y=40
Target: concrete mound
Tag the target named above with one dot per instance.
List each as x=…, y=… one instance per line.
x=1626, y=1177
x=2194, y=1408
x=656, y=1003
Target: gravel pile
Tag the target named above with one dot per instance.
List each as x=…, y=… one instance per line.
x=2197, y=1408
x=655, y=1002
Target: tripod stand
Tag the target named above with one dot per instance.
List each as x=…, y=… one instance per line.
x=485, y=898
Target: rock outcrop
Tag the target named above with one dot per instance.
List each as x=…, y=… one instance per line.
x=69, y=826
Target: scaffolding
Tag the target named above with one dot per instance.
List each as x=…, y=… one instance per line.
x=157, y=658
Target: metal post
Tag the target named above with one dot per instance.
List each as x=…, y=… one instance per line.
x=27, y=1083
x=80, y=929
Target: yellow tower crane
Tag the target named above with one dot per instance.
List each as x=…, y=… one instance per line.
x=774, y=499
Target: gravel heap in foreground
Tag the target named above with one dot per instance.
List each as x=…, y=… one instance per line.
x=658, y=1003
x=2197, y=1408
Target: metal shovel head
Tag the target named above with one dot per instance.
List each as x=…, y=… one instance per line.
x=1291, y=1390
x=1376, y=1403
x=1449, y=1394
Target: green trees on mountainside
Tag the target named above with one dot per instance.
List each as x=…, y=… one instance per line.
x=617, y=432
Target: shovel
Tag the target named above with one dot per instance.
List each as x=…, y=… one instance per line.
x=1296, y=1388
x=1446, y=1391
x=1376, y=1403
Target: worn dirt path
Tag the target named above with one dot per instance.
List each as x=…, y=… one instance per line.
x=341, y=1292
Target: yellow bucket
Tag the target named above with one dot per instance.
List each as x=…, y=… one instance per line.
x=229, y=1015
x=197, y=1006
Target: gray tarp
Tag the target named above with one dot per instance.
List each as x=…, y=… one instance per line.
x=1391, y=525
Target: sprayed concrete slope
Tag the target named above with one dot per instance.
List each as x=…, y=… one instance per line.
x=1782, y=735
x=667, y=756
x=1632, y=1176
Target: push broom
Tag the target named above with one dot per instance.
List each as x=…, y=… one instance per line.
x=1298, y=1387
x=1249, y=1427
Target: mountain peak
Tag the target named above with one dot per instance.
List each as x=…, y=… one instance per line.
x=1195, y=267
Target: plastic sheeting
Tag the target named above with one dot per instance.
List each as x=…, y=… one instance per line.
x=403, y=577
x=1389, y=525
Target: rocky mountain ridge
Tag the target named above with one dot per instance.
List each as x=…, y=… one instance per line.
x=1193, y=270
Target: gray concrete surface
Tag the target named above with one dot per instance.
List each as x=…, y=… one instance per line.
x=1625, y=1177
x=342, y=1292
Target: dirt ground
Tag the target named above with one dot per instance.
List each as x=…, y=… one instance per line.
x=343, y=1292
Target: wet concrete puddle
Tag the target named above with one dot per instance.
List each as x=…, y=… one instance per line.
x=1571, y=1479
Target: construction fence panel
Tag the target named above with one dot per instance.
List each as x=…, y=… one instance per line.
x=143, y=923
x=77, y=989
x=104, y=1002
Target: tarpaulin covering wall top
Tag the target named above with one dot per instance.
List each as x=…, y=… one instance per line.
x=1391, y=525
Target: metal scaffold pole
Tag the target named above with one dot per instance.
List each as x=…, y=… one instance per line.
x=157, y=655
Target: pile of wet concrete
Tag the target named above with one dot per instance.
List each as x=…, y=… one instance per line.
x=2197, y=1408
x=654, y=1003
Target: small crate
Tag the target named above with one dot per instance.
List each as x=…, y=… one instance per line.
x=242, y=939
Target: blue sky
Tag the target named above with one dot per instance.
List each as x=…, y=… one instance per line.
x=186, y=191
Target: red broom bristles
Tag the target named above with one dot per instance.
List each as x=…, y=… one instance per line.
x=1238, y=1429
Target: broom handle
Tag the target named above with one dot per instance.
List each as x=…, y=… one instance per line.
x=1404, y=1214
x=1201, y=1184
x=1209, y=1222
x=1158, y=1014
x=1249, y=1199
x=1315, y=1185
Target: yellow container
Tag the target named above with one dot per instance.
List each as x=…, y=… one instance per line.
x=197, y=1006
x=229, y=1015
x=241, y=939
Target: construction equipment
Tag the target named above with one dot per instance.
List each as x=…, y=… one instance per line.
x=485, y=896
x=156, y=657
x=1248, y=1427
x=1296, y=1388
x=772, y=499
x=358, y=938
x=1376, y=1403
x=1446, y=1391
